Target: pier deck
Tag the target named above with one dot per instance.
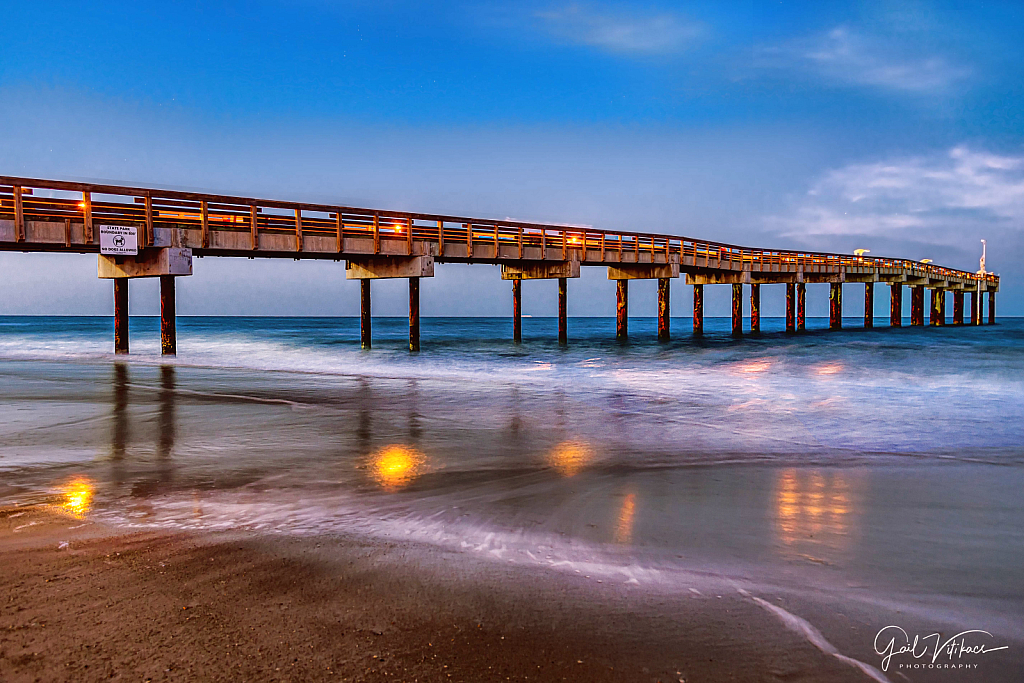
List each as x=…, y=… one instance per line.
x=39, y=215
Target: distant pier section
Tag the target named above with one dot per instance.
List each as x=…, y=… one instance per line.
x=146, y=232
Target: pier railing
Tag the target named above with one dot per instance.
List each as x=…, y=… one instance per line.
x=79, y=207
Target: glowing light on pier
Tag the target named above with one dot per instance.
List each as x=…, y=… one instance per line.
x=76, y=496
x=396, y=466
x=570, y=457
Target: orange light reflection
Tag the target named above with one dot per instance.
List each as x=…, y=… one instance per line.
x=624, y=527
x=396, y=466
x=569, y=457
x=76, y=497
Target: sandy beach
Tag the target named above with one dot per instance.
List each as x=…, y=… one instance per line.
x=82, y=602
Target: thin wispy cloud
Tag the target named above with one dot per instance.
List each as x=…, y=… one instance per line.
x=950, y=199
x=623, y=32
x=844, y=57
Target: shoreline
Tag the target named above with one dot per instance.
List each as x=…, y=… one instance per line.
x=120, y=605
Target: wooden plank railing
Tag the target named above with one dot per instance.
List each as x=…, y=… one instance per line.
x=30, y=199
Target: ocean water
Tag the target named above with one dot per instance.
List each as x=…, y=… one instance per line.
x=884, y=466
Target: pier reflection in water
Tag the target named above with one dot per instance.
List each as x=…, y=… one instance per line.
x=817, y=512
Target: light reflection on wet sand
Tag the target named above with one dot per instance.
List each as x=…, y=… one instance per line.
x=816, y=512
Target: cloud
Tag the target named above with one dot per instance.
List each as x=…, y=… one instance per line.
x=946, y=200
x=844, y=57
x=620, y=32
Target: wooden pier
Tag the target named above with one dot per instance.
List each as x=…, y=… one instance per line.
x=169, y=228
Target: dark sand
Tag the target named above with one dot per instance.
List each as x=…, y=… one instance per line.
x=172, y=606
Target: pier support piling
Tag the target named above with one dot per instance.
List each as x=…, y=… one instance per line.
x=991, y=309
x=364, y=313
x=801, y=306
x=790, y=307
x=737, y=310
x=414, y=314
x=698, y=310
x=621, y=310
x=517, y=311
x=958, y=307
x=975, y=307
x=835, y=306
x=869, y=304
x=121, y=315
x=664, y=309
x=917, y=305
x=168, y=333
x=755, y=308
x=563, y=311
x=937, y=314
x=896, y=305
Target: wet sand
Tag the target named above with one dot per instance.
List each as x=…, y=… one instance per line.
x=84, y=602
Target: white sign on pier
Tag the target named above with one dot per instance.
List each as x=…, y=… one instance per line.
x=119, y=240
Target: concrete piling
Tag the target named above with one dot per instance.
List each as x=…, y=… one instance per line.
x=517, y=311
x=991, y=308
x=737, y=310
x=698, y=310
x=121, y=315
x=896, y=305
x=801, y=306
x=664, y=309
x=958, y=307
x=563, y=311
x=364, y=313
x=755, y=308
x=414, y=314
x=790, y=307
x=917, y=305
x=621, y=310
x=168, y=332
x=869, y=304
x=835, y=306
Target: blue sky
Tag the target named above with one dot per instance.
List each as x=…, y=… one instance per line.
x=896, y=127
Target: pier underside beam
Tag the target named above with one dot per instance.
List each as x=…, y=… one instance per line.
x=698, y=310
x=381, y=267
x=790, y=307
x=896, y=304
x=737, y=310
x=869, y=304
x=168, y=332
x=644, y=271
x=547, y=270
x=121, y=315
x=801, y=306
x=622, y=310
x=835, y=306
x=664, y=309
